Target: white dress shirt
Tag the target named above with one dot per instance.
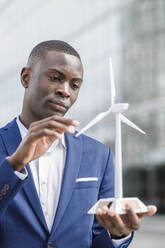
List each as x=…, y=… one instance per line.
x=47, y=172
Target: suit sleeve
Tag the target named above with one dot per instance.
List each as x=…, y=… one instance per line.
x=101, y=237
x=10, y=184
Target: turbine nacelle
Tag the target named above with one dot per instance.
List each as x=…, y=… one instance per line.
x=119, y=107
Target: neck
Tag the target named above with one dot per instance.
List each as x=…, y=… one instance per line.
x=27, y=117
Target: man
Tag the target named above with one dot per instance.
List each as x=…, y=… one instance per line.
x=48, y=178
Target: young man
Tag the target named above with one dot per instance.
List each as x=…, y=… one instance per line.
x=48, y=178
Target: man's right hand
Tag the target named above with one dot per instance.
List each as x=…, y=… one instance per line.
x=40, y=136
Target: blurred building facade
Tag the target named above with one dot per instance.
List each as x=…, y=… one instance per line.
x=132, y=32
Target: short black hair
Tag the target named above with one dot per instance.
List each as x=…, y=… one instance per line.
x=40, y=50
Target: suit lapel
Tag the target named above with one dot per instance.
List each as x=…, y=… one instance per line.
x=12, y=139
x=72, y=165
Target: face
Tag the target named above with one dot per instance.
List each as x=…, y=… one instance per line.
x=52, y=84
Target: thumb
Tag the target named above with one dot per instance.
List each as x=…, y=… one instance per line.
x=151, y=211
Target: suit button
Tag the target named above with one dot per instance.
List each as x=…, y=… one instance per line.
x=3, y=192
x=50, y=245
x=6, y=186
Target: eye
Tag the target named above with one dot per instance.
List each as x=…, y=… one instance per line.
x=75, y=85
x=53, y=78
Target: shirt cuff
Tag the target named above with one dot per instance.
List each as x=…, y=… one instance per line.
x=117, y=242
x=23, y=174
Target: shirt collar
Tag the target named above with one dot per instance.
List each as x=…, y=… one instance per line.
x=24, y=130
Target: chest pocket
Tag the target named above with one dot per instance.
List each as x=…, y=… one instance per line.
x=87, y=183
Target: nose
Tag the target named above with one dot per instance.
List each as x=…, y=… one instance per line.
x=63, y=90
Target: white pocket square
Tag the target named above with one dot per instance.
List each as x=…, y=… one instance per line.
x=86, y=179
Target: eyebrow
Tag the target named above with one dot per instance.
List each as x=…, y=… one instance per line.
x=62, y=74
x=55, y=70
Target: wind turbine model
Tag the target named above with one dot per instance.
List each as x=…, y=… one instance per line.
x=118, y=202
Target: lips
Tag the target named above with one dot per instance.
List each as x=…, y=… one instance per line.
x=60, y=106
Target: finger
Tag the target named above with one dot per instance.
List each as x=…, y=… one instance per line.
x=66, y=121
x=132, y=219
x=113, y=222
x=98, y=212
x=47, y=133
x=120, y=227
x=51, y=124
x=100, y=216
x=58, y=119
x=151, y=211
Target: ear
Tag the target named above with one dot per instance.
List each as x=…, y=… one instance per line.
x=25, y=76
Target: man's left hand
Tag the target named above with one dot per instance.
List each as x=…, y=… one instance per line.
x=120, y=226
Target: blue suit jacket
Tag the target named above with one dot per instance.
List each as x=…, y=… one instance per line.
x=22, y=223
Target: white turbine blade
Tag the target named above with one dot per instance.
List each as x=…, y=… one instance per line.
x=112, y=83
x=131, y=124
x=98, y=118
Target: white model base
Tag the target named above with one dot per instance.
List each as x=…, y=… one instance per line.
x=118, y=205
